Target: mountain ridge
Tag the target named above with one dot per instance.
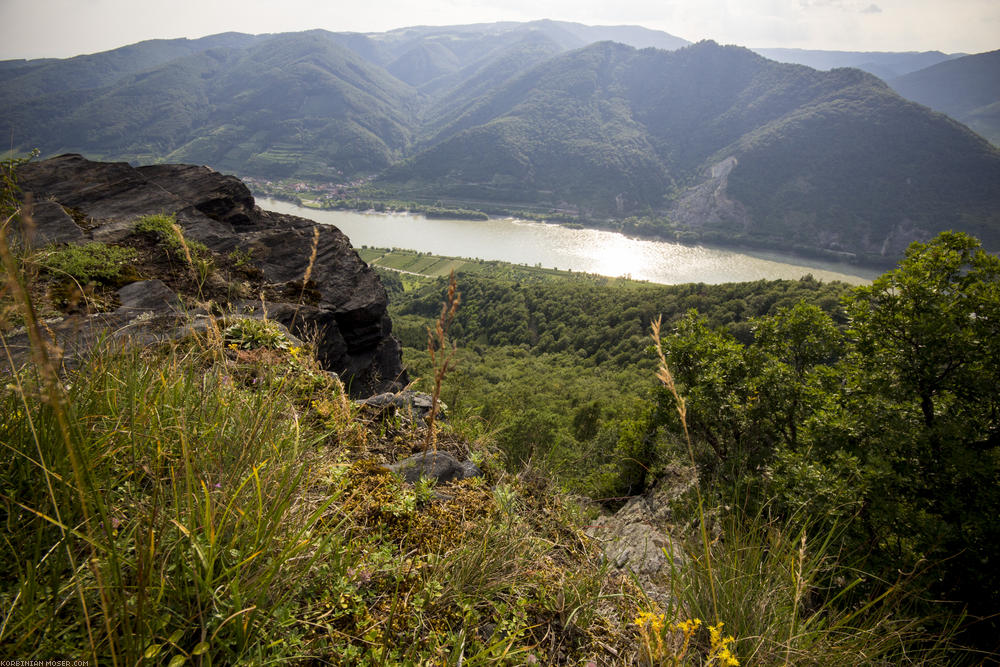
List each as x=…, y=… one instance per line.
x=712, y=141
x=967, y=89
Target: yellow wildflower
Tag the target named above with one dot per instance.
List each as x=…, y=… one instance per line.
x=720, y=653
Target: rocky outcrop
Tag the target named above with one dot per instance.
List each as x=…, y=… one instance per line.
x=641, y=536
x=75, y=200
x=413, y=406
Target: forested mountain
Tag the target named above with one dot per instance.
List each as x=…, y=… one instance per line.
x=967, y=89
x=883, y=64
x=724, y=141
x=704, y=142
x=294, y=103
x=25, y=79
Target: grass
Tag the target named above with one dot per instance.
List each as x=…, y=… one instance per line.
x=216, y=522
x=785, y=596
x=220, y=501
x=85, y=263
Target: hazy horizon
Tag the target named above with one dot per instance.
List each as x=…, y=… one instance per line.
x=65, y=28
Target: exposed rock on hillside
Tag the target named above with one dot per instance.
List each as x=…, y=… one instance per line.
x=639, y=537
x=342, y=307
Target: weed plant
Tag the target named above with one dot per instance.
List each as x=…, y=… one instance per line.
x=85, y=263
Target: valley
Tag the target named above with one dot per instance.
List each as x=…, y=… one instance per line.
x=610, y=127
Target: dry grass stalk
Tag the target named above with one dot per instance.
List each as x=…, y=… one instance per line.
x=442, y=355
x=184, y=245
x=664, y=375
x=56, y=397
x=308, y=274
x=200, y=269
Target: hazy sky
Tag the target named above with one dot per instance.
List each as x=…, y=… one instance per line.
x=61, y=28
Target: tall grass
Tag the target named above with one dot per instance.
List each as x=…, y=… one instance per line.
x=203, y=503
x=175, y=526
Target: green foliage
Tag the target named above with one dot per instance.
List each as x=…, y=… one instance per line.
x=929, y=351
x=252, y=334
x=166, y=229
x=557, y=363
x=803, y=408
x=888, y=427
x=597, y=319
x=85, y=263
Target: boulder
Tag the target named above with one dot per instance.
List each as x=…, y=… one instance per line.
x=147, y=296
x=347, y=319
x=439, y=466
x=413, y=405
x=47, y=222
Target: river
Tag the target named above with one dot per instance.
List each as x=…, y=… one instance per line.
x=585, y=250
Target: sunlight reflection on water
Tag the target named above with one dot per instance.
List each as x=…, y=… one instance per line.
x=588, y=250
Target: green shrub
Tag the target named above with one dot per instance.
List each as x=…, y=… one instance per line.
x=166, y=229
x=92, y=262
x=247, y=334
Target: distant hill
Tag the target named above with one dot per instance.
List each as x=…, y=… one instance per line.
x=967, y=89
x=418, y=54
x=705, y=142
x=26, y=79
x=281, y=105
x=883, y=64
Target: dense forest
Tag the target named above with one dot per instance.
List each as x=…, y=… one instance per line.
x=864, y=415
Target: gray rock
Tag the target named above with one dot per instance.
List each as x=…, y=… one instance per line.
x=638, y=538
x=439, y=466
x=46, y=222
x=147, y=296
x=470, y=469
x=348, y=322
x=413, y=405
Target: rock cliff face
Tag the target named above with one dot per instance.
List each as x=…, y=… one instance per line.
x=75, y=200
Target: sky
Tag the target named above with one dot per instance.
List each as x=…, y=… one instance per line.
x=63, y=28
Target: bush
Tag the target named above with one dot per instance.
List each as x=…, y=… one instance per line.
x=247, y=334
x=92, y=262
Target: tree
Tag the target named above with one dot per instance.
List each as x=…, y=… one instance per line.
x=928, y=332
x=927, y=342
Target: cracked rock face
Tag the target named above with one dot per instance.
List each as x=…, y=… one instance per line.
x=347, y=320
x=639, y=537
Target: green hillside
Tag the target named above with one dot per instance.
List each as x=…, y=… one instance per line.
x=967, y=89
x=289, y=104
x=819, y=160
